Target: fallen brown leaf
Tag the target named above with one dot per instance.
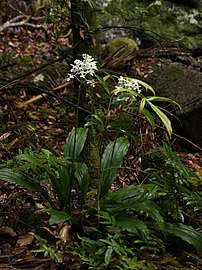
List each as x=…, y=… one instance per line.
x=7, y=230
x=25, y=239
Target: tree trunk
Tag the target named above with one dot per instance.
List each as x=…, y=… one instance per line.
x=83, y=24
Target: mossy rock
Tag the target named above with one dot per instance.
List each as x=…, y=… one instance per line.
x=193, y=42
x=179, y=83
x=127, y=45
x=119, y=53
x=183, y=85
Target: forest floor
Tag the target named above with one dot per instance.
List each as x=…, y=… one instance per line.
x=43, y=121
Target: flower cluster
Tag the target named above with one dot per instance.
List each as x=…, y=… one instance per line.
x=81, y=69
x=127, y=83
x=127, y=88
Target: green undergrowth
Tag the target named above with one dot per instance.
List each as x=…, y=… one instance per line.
x=134, y=227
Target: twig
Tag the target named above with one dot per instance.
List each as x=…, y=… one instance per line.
x=187, y=140
x=48, y=93
x=174, y=134
x=38, y=97
x=20, y=20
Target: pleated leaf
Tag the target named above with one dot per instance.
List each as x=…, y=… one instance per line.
x=133, y=225
x=186, y=233
x=65, y=181
x=149, y=208
x=75, y=142
x=129, y=195
x=111, y=161
x=23, y=181
x=57, y=217
x=82, y=175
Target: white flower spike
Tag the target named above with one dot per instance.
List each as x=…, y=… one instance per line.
x=81, y=69
x=127, y=83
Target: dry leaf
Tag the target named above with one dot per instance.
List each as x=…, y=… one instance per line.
x=93, y=43
x=81, y=33
x=7, y=230
x=64, y=233
x=25, y=239
x=5, y=136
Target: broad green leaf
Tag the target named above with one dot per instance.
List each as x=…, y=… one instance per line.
x=19, y=179
x=163, y=117
x=109, y=76
x=75, y=142
x=66, y=175
x=30, y=159
x=57, y=216
x=121, y=199
x=57, y=188
x=133, y=193
x=82, y=175
x=186, y=233
x=151, y=209
x=111, y=161
x=133, y=225
x=47, y=152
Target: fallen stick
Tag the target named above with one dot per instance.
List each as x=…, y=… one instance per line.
x=40, y=96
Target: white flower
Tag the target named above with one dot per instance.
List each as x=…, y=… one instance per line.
x=127, y=83
x=83, y=68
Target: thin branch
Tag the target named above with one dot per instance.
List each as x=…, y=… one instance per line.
x=173, y=133
x=20, y=20
x=46, y=93
x=40, y=96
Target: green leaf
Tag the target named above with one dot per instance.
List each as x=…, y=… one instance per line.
x=151, y=209
x=20, y=179
x=90, y=2
x=186, y=233
x=126, y=197
x=66, y=174
x=149, y=117
x=163, y=99
x=126, y=91
x=75, y=142
x=142, y=104
x=146, y=86
x=163, y=117
x=111, y=161
x=103, y=83
x=57, y=188
x=57, y=216
x=82, y=175
x=95, y=120
x=133, y=225
x=108, y=255
x=30, y=159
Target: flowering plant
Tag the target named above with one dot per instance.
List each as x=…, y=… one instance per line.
x=127, y=83
x=83, y=69
x=127, y=92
